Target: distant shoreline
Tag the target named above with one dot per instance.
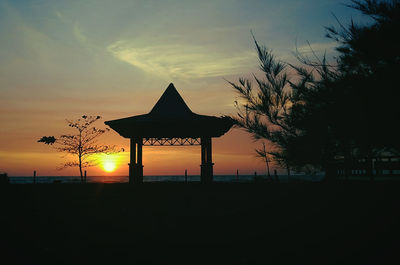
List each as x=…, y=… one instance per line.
x=190, y=179
x=158, y=178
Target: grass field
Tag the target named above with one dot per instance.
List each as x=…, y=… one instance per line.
x=224, y=223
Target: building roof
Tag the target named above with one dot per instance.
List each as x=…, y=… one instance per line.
x=171, y=117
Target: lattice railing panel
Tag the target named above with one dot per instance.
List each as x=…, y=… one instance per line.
x=171, y=141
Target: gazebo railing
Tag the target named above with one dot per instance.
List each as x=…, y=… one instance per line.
x=171, y=141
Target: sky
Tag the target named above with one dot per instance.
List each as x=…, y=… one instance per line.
x=63, y=59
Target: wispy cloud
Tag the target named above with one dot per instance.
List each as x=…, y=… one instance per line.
x=76, y=30
x=81, y=38
x=318, y=48
x=186, y=61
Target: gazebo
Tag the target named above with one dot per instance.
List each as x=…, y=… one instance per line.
x=170, y=122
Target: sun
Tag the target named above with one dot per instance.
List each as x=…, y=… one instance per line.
x=109, y=162
x=109, y=166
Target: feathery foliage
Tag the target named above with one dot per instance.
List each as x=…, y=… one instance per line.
x=324, y=111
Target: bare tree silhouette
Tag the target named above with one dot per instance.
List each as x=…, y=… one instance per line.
x=83, y=144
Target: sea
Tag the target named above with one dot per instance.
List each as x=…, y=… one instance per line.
x=167, y=178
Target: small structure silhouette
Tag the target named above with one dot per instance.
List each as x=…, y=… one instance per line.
x=276, y=175
x=4, y=178
x=170, y=122
x=186, y=180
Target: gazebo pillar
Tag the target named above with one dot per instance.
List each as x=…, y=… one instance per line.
x=206, y=174
x=136, y=164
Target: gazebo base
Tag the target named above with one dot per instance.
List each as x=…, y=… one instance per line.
x=135, y=173
x=206, y=173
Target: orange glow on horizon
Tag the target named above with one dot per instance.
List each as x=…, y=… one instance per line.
x=233, y=151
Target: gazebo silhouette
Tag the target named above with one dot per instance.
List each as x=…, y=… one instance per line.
x=170, y=122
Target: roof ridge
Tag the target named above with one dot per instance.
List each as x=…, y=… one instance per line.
x=171, y=103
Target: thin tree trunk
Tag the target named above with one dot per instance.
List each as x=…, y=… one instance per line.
x=80, y=155
x=80, y=168
x=266, y=161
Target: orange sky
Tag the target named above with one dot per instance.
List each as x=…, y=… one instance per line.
x=63, y=59
x=21, y=154
x=234, y=150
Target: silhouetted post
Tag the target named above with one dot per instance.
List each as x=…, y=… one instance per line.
x=206, y=160
x=85, y=176
x=132, y=160
x=237, y=174
x=135, y=165
x=34, y=176
x=4, y=178
x=186, y=175
x=276, y=175
x=255, y=175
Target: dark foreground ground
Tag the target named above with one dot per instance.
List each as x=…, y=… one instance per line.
x=172, y=223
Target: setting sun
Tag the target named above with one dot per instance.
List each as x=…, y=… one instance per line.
x=109, y=166
x=108, y=162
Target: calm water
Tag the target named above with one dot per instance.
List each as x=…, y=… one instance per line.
x=124, y=179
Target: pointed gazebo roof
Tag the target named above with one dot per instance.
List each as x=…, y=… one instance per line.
x=171, y=117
